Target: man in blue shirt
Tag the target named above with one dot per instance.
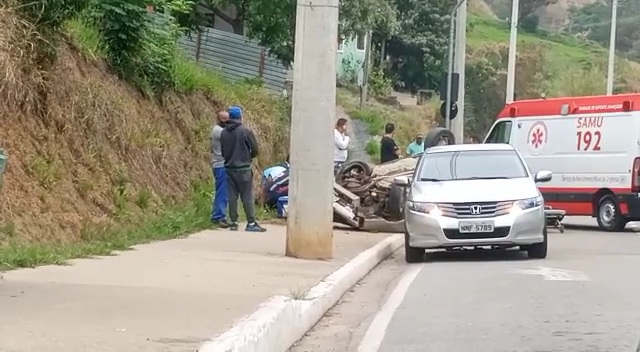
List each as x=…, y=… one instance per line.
x=416, y=147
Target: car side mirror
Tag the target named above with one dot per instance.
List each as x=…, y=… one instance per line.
x=401, y=181
x=543, y=176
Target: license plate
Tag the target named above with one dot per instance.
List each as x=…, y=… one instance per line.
x=475, y=226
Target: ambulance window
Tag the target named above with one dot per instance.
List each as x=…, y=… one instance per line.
x=500, y=133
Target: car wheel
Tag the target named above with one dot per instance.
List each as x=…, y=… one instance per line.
x=412, y=254
x=439, y=136
x=395, y=202
x=539, y=250
x=609, y=216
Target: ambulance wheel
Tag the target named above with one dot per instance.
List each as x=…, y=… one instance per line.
x=609, y=216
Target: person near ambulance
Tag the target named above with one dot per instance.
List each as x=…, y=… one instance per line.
x=416, y=147
x=341, y=144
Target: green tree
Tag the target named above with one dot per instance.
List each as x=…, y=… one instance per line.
x=419, y=49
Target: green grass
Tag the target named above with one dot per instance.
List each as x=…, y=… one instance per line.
x=563, y=47
x=127, y=230
x=373, y=149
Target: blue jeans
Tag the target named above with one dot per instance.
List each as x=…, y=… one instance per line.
x=220, y=198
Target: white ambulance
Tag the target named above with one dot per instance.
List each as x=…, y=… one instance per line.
x=592, y=146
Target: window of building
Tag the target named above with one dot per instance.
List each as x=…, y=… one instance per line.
x=361, y=40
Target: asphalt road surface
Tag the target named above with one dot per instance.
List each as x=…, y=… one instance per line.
x=585, y=297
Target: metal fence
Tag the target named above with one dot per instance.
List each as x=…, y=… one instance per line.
x=235, y=57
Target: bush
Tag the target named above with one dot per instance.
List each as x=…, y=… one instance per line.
x=139, y=45
x=379, y=85
x=530, y=23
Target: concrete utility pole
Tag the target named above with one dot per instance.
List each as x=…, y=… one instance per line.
x=310, y=217
x=612, y=46
x=457, y=124
x=513, y=41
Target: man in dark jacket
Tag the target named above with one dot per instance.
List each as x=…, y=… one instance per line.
x=239, y=147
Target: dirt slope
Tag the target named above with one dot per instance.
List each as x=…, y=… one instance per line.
x=94, y=149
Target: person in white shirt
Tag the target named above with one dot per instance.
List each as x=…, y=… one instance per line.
x=341, y=144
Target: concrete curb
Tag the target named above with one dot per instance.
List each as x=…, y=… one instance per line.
x=281, y=321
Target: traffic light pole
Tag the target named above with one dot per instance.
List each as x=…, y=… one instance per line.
x=452, y=31
x=460, y=58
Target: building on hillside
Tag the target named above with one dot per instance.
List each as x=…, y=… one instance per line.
x=350, y=58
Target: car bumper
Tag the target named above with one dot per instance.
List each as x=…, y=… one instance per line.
x=428, y=231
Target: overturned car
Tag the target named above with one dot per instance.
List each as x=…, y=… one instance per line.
x=365, y=193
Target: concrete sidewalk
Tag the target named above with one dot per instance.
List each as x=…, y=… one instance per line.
x=165, y=296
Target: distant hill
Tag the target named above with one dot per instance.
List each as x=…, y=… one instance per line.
x=557, y=16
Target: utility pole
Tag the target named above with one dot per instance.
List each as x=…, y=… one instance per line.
x=513, y=41
x=612, y=46
x=457, y=124
x=364, y=91
x=450, y=57
x=310, y=217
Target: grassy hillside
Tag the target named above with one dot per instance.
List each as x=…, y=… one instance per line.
x=96, y=164
x=548, y=64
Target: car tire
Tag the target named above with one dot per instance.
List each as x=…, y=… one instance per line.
x=608, y=215
x=412, y=254
x=539, y=250
x=395, y=202
x=361, y=167
x=438, y=134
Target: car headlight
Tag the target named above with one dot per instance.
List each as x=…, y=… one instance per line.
x=427, y=208
x=524, y=204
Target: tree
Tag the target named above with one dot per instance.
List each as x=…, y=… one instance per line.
x=419, y=49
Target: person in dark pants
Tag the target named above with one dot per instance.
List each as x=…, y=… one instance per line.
x=220, y=199
x=239, y=147
x=388, y=148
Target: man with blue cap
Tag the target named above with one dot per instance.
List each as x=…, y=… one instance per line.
x=239, y=148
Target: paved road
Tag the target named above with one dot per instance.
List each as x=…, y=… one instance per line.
x=583, y=297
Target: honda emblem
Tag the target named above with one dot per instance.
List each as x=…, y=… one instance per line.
x=475, y=209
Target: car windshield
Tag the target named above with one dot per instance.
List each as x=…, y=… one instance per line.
x=472, y=164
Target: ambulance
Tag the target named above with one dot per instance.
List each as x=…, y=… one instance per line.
x=592, y=146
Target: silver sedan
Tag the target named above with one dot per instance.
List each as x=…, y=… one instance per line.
x=474, y=195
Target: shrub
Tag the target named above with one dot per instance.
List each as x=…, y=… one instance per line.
x=139, y=45
x=530, y=23
x=379, y=85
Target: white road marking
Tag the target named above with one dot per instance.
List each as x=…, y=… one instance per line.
x=378, y=328
x=553, y=274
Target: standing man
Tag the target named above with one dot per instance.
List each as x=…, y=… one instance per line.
x=239, y=146
x=416, y=147
x=220, y=199
x=340, y=144
x=388, y=147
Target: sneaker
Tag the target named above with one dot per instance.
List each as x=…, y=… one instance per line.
x=233, y=226
x=223, y=224
x=255, y=227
